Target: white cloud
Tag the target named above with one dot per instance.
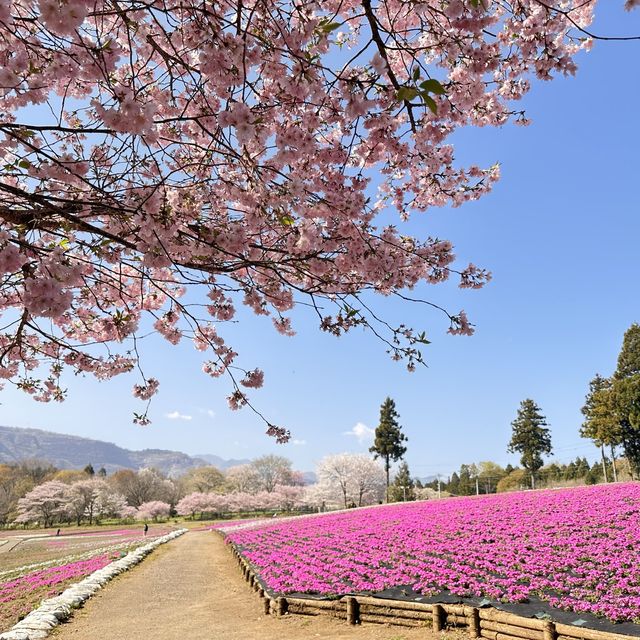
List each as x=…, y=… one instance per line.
x=211, y=413
x=176, y=415
x=299, y=443
x=361, y=432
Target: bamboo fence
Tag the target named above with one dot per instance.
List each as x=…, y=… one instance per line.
x=488, y=623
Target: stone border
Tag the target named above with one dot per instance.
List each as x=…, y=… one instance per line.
x=485, y=623
x=39, y=623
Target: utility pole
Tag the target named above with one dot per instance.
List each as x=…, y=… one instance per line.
x=439, y=494
x=477, y=487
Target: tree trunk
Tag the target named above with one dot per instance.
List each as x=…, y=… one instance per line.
x=604, y=464
x=533, y=480
x=613, y=464
x=386, y=468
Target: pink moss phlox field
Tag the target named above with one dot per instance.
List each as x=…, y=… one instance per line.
x=577, y=549
x=51, y=577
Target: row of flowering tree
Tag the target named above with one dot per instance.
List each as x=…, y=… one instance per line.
x=83, y=501
x=282, y=498
x=56, y=501
x=343, y=480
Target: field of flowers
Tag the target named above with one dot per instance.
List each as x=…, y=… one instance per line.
x=577, y=549
x=44, y=565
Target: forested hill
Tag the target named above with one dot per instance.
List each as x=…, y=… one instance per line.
x=74, y=452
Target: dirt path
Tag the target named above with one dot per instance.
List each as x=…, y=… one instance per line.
x=192, y=589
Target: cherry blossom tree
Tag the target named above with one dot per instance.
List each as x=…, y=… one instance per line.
x=287, y=497
x=111, y=505
x=167, y=162
x=241, y=478
x=196, y=502
x=153, y=510
x=44, y=504
x=92, y=499
x=349, y=478
x=82, y=499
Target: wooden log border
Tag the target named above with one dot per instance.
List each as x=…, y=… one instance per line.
x=483, y=623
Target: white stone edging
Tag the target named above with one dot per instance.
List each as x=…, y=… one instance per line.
x=38, y=624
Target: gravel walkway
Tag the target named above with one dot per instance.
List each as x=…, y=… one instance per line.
x=192, y=589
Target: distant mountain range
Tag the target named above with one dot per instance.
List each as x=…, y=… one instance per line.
x=74, y=452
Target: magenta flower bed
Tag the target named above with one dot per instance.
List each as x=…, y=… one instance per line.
x=52, y=576
x=577, y=549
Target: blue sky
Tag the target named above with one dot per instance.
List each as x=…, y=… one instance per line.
x=559, y=232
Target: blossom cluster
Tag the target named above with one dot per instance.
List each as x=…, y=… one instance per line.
x=577, y=549
x=229, y=148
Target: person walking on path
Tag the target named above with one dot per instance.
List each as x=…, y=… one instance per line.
x=146, y=528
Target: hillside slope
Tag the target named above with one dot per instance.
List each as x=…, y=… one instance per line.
x=74, y=452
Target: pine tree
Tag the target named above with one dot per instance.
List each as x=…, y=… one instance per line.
x=466, y=486
x=626, y=397
x=89, y=470
x=629, y=357
x=453, y=486
x=530, y=437
x=388, y=438
x=403, y=487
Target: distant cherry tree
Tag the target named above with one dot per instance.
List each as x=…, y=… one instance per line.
x=349, y=478
x=196, y=502
x=153, y=510
x=82, y=499
x=166, y=162
x=43, y=504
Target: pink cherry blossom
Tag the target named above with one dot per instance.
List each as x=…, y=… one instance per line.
x=229, y=150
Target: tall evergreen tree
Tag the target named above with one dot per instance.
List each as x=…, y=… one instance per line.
x=601, y=423
x=453, y=486
x=629, y=357
x=403, y=487
x=626, y=397
x=388, y=438
x=466, y=487
x=530, y=437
